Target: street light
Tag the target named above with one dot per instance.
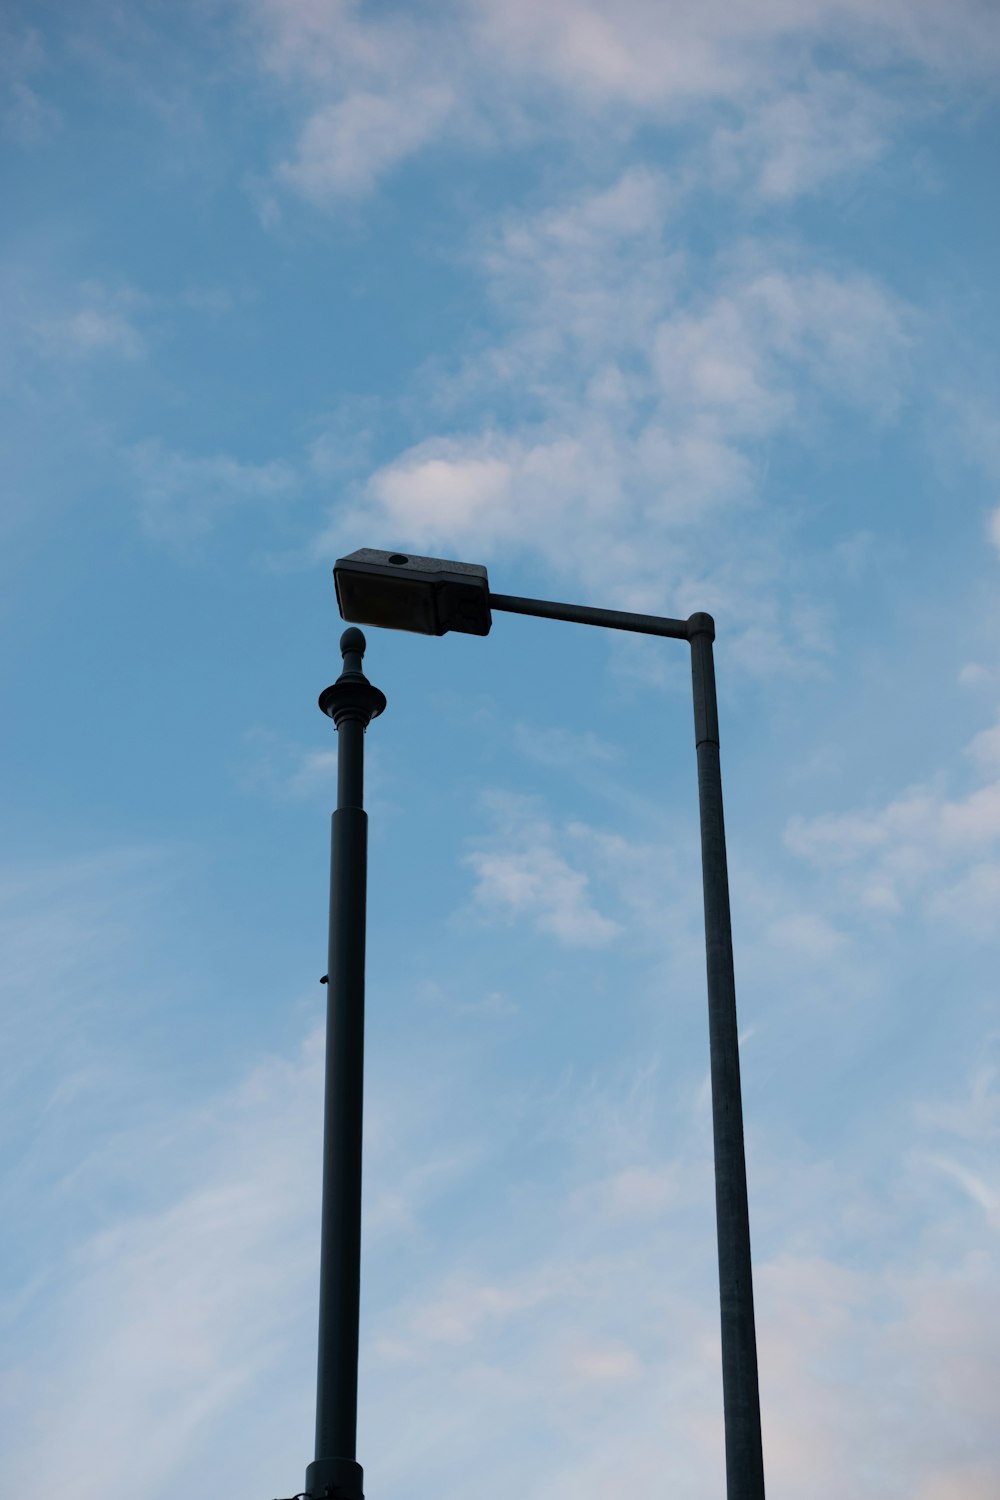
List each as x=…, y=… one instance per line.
x=433, y=596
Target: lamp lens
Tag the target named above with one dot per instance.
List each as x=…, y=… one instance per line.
x=397, y=603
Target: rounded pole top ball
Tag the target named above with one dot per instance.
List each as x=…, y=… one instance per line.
x=352, y=640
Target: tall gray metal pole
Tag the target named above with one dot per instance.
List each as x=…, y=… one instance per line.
x=740, y=1395
x=352, y=702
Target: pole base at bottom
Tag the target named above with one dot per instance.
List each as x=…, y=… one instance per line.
x=335, y=1479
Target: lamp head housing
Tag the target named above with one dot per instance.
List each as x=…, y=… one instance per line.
x=429, y=595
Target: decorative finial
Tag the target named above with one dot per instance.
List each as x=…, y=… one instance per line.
x=353, y=640
x=352, y=695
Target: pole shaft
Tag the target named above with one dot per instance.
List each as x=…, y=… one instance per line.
x=340, y=1253
x=740, y=1393
x=335, y=1473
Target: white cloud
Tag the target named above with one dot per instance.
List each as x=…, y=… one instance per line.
x=994, y=528
x=377, y=87
x=448, y=489
x=973, y=674
x=105, y=325
x=961, y=1481
x=603, y=1364
x=523, y=874
x=634, y=1194
x=924, y=846
x=25, y=115
x=970, y=901
x=316, y=772
x=287, y=770
x=984, y=748
x=165, y=1319
x=149, y=1247
x=873, y=1362
x=94, y=321
x=563, y=748
x=65, y=926
x=182, y=498
x=345, y=146
x=163, y=1243
x=377, y=90
x=459, y=1313
x=585, y=886
x=975, y=1115
x=587, y=272
x=537, y=882
x=644, y=392
x=979, y=1191
x=281, y=768
x=635, y=53
x=566, y=1321
x=94, y=332
x=329, y=41
x=795, y=143
x=808, y=935
x=661, y=59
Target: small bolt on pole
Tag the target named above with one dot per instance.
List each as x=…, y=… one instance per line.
x=335, y=1474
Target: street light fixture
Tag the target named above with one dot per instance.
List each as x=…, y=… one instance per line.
x=433, y=596
x=425, y=594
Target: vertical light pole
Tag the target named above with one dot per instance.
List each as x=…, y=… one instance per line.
x=433, y=596
x=335, y=1474
x=740, y=1394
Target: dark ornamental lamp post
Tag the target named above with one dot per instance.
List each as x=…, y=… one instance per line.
x=433, y=596
x=335, y=1474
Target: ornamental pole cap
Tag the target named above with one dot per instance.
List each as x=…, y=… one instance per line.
x=353, y=640
x=352, y=696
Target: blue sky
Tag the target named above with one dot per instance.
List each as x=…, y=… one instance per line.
x=656, y=307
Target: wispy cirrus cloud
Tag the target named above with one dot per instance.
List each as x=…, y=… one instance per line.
x=925, y=848
x=346, y=146
x=522, y=872
x=277, y=766
x=95, y=322
x=273, y=764
x=575, y=1308
x=90, y=322
x=658, y=60
x=165, y=1318
x=564, y=749
x=162, y=1256
x=642, y=393
x=850, y=1347
x=380, y=87
x=91, y=332
x=181, y=497
x=26, y=116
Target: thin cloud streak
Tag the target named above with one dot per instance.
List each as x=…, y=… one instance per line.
x=380, y=89
x=925, y=847
x=169, y=1321
x=648, y=393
